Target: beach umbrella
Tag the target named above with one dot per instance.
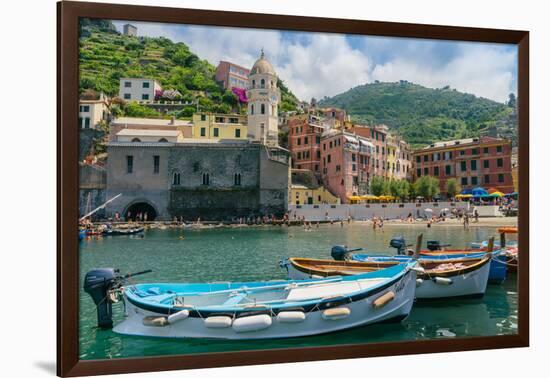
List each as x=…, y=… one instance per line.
x=478, y=192
x=492, y=190
x=497, y=194
x=466, y=191
x=428, y=210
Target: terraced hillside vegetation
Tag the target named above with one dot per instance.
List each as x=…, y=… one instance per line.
x=424, y=115
x=106, y=56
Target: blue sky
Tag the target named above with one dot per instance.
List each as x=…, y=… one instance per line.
x=324, y=64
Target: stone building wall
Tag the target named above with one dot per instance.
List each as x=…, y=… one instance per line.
x=263, y=188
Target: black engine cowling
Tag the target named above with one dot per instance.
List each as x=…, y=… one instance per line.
x=399, y=244
x=433, y=245
x=97, y=284
x=340, y=253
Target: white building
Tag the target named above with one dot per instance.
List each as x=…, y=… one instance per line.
x=136, y=89
x=149, y=136
x=263, y=99
x=92, y=112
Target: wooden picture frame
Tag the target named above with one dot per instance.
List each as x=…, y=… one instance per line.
x=68, y=363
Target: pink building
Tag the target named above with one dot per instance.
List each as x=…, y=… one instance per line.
x=346, y=163
x=377, y=135
x=232, y=75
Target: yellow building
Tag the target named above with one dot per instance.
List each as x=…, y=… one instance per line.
x=302, y=195
x=219, y=126
x=391, y=156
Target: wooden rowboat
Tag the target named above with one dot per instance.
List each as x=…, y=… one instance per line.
x=449, y=278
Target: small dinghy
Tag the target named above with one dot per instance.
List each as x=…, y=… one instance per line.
x=254, y=310
x=123, y=231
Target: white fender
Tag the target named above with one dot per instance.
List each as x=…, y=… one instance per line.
x=443, y=281
x=218, y=322
x=291, y=316
x=252, y=323
x=180, y=315
x=336, y=313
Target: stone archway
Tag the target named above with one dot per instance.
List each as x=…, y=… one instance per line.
x=140, y=207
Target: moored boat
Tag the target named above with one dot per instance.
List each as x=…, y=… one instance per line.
x=304, y=268
x=123, y=231
x=255, y=310
x=448, y=278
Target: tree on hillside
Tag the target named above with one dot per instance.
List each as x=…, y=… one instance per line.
x=452, y=187
x=379, y=186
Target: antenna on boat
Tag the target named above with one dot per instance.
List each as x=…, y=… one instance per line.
x=418, y=246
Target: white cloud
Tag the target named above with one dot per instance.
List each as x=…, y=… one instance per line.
x=315, y=66
x=480, y=70
x=325, y=66
x=320, y=64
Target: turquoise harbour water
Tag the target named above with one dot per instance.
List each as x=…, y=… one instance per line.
x=252, y=253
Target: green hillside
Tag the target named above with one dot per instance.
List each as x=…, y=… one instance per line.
x=423, y=115
x=106, y=56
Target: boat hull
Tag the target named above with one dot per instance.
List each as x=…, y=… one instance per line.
x=361, y=312
x=469, y=285
x=497, y=270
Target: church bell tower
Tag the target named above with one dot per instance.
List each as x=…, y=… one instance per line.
x=263, y=101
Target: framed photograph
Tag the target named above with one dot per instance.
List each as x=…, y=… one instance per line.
x=238, y=188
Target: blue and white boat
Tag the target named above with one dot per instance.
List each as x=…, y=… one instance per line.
x=255, y=310
x=465, y=277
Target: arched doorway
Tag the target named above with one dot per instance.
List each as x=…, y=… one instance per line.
x=146, y=210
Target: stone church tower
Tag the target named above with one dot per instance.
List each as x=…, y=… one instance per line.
x=263, y=100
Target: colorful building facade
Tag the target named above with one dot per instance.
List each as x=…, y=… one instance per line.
x=219, y=126
x=346, y=163
x=304, y=141
x=475, y=162
x=232, y=75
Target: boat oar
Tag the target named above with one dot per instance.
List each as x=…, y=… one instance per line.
x=490, y=244
x=418, y=246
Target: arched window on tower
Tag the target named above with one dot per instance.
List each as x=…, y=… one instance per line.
x=136, y=140
x=272, y=84
x=253, y=83
x=251, y=109
x=163, y=140
x=262, y=109
x=237, y=179
x=206, y=179
x=176, y=178
x=262, y=83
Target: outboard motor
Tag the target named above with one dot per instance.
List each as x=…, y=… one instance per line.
x=433, y=245
x=399, y=244
x=98, y=283
x=342, y=253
